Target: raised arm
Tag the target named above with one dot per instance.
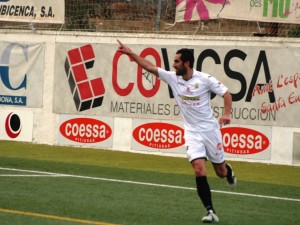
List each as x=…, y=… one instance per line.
x=226, y=117
x=144, y=63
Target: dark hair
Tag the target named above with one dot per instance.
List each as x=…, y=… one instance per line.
x=186, y=55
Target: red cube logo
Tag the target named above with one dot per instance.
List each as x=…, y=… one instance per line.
x=86, y=93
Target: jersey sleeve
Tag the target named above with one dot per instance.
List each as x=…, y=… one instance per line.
x=166, y=76
x=216, y=86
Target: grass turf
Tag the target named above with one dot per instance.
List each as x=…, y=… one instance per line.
x=134, y=204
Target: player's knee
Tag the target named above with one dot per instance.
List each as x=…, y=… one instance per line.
x=221, y=173
x=199, y=172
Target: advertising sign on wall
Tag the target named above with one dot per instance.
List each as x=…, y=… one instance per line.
x=249, y=142
x=83, y=130
x=16, y=125
x=158, y=136
x=21, y=74
x=95, y=79
x=280, y=11
x=33, y=11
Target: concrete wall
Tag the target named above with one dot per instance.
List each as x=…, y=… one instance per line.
x=46, y=123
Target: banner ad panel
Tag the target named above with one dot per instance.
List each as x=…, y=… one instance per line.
x=85, y=131
x=158, y=136
x=33, y=11
x=283, y=11
x=244, y=142
x=95, y=79
x=247, y=142
x=16, y=125
x=21, y=74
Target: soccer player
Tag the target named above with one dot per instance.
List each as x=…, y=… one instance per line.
x=192, y=90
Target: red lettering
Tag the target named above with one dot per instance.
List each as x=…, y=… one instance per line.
x=294, y=98
x=120, y=91
x=155, y=82
x=279, y=85
x=148, y=93
x=284, y=81
x=296, y=78
x=280, y=103
x=263, y=89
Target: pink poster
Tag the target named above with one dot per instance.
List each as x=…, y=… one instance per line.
x=285, y=11
x=188, y=10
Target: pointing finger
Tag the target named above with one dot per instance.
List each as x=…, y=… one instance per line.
x=120, y=43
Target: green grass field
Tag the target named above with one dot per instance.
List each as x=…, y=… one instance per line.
x=54, y=185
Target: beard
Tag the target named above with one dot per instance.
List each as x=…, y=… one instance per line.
x=181, y=71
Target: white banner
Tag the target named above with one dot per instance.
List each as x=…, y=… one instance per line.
x=16, y=125
x=247, y=142
x=277, y=11
x=35, y=11
x=95, y=79
x=21, y=74
x=158, y=136
x=85, y=131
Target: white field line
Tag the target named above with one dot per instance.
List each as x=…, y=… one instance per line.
x=41, y=173
x=30, y=175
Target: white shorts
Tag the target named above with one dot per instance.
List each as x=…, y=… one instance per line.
x=205, y=145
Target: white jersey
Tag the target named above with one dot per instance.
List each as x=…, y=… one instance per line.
x=193, y=98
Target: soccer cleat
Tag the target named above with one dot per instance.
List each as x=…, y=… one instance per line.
x=211, y=217
x=231, y=180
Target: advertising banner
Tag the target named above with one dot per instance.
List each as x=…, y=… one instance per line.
x=95, y=79
x=21, y=74
x=277, y=11
x=158, y=136
x=85, y=131
x=33, y=11
x=16, y=125
x=248, y=142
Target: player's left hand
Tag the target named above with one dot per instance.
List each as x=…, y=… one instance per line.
x=224, y=120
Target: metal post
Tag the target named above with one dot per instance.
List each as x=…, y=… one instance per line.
x=158, y=16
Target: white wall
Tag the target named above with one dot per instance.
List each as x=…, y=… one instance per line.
x=46, y=123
